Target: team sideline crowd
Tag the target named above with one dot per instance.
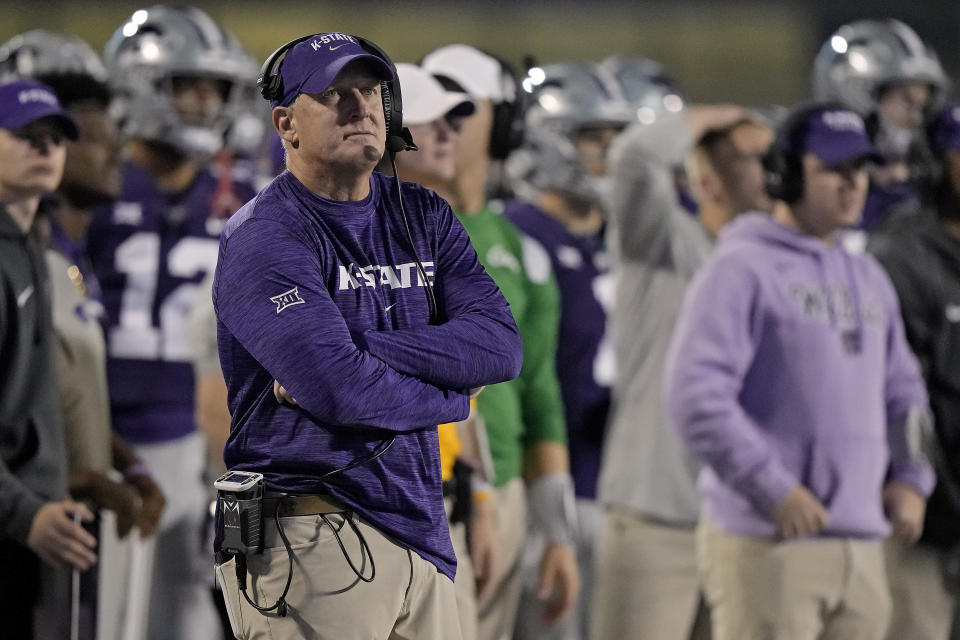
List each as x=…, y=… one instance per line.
x=332, y=346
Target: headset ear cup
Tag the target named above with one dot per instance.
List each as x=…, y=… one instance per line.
x=270, y=85
x=792, y=178
x=274, y=88
x=773, y=173
x=783, y=176
x=507, y=131
x=387, y=97
x=498, y=135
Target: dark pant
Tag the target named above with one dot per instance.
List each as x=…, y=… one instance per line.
x=19, y=590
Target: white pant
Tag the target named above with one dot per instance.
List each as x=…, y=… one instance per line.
x=181, y=606
x=575, y=625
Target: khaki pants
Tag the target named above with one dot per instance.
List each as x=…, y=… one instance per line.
x=465, y=585
x=646, y=584
x=498, y=608
x=923, y=608
x=408, y=598
x=809, y=589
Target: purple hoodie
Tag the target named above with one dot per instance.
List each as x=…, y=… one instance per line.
x=789, y=366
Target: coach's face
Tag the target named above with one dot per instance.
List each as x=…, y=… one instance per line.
x=342, y=128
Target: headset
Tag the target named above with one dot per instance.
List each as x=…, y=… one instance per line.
x=270, y=83
x=507, y=124
x=783, y=162
x=506, y=133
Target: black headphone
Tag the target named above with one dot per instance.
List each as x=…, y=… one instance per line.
x=783, y=162
x=507, y=126
x=506, y=133
x=270, y=83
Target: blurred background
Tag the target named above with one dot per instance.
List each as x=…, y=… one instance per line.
x=749, y=52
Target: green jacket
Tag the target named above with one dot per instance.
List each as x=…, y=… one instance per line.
x=528, y=410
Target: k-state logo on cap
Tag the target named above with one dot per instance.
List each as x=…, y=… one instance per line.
x=843, y=121
x=37, y=95
x=327, y=38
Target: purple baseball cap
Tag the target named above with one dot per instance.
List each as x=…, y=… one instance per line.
x=310, y=66
x=838, y=136
x=25, y=101
x=945, y=131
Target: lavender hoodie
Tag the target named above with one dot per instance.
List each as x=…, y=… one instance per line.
x=789, y=366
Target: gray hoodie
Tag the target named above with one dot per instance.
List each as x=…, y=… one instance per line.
x=657, y=246
x=32, y=462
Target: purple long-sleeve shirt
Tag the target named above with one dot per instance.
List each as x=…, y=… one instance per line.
x=325, y=297
x=790, y=366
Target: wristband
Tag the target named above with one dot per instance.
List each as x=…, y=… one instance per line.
x=552, y=508
x=482, y=490
x=480, y=484
x=136, y=470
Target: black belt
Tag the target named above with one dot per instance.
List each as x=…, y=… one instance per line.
x=299, y=505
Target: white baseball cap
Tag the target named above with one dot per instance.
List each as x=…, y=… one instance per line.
x=482, y=76
x=425, y=99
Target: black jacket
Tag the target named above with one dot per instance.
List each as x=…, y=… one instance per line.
x=32, y=462
x=923, y=261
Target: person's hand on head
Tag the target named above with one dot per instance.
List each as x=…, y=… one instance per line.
x=703, y=118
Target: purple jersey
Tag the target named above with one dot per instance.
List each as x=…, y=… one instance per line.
x=150, y=249
x=584, y=359
x=326, y=298
x=881, y=202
